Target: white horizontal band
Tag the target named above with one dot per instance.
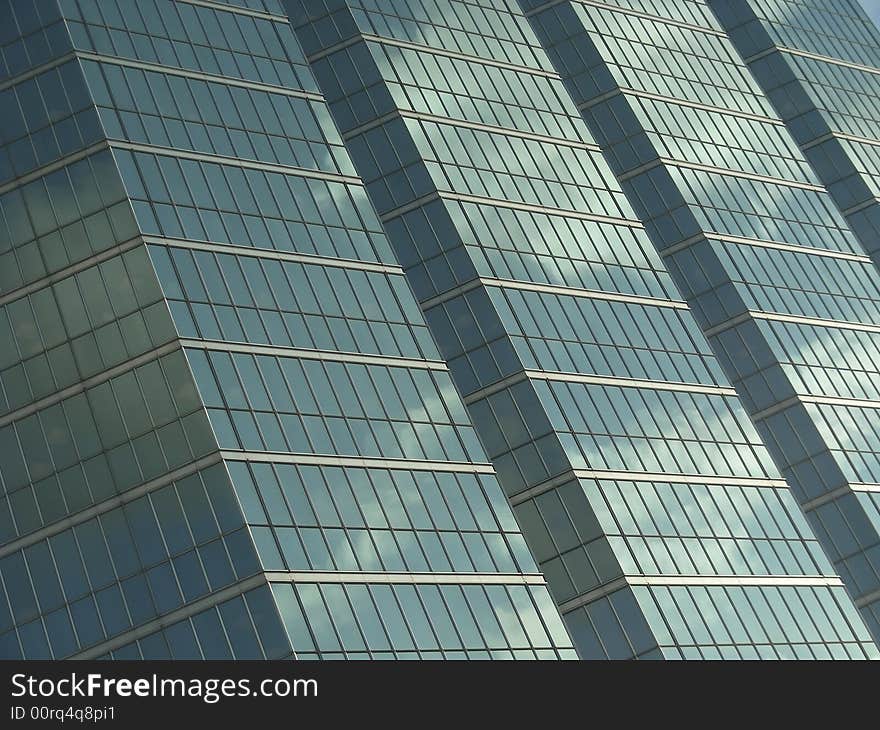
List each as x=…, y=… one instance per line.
x=308, y=576
x=638, y=476
x=479, y=126
x=201, y=75
x=424, y=48
x=270, y=253
x=613, y=381
x=233, y=161
x=565, y=291
x=238, y=9
x=697, y=580
x=626, y=91
x=364, y=462
x=629, y=11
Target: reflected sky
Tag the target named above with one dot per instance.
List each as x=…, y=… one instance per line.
x=873, y=9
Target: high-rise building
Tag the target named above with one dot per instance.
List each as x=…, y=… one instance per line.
x=401, y=329
x=590, y=383
x=226, y=429
x=775, y=277
x=819, y=64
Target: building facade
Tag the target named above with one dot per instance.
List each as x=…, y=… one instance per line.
x=819, y=64
x=783, y=288
x=459, y=329
x=257, y=450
